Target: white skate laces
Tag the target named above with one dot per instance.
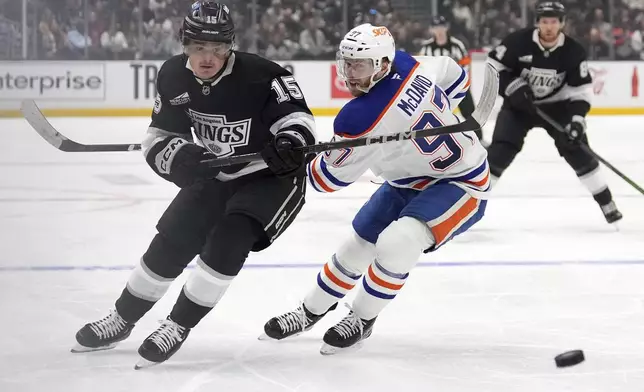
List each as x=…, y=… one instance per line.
x=350, y=324
x=295, y=320
x=167, y=335
x=109, y=326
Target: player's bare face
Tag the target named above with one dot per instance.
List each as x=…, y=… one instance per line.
x=549, y=28
x=207, y=58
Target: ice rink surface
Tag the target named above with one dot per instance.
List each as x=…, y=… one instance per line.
x=542, y=273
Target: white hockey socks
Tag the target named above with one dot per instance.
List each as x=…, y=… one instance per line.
x=341, y=274
x=398, y=249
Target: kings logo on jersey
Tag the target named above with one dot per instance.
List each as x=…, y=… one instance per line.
x=543, y=81
x=219, y=135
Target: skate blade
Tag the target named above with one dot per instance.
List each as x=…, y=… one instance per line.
x=331, y=350
x=144, y=364
x=264, y=337
x=82, y=349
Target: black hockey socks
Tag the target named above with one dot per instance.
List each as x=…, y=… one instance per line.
x=223, y=257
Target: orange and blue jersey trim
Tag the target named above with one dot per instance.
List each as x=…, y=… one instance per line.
x=447, y=225
x=458, y=89
x=478, y=179
x=321, y=179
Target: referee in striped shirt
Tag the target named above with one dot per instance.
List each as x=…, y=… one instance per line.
x=443, y=44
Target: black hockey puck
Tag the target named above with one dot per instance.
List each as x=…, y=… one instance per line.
x=570, y=358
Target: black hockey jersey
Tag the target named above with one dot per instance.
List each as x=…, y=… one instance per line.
x=453, y=48
x=238, y=112
x=556, y=74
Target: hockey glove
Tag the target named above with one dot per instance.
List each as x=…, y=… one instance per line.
x=180, y=161
x=576, y=129
x=520, y=96
x=281, y=156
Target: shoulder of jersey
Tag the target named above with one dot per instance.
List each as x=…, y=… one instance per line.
x=171, y=76
x=174, y=64
x=361, y=114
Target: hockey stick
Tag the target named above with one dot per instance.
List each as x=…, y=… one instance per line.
x=39, y=123
x=587, y=148
x=473, y=123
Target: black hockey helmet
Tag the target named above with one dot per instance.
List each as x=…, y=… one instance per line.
x=208, y=21
x=439, y=21
x=550, y=9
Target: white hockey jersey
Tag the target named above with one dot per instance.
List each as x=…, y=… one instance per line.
x=413, y=96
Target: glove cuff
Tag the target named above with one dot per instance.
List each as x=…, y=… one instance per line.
x=162, y=154
x=296, y=133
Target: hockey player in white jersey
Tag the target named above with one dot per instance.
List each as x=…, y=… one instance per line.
x=435, y=189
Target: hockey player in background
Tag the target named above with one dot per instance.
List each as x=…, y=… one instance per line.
x=443, y=44
x=544, y=67
x=435, y=189
x=238, y=103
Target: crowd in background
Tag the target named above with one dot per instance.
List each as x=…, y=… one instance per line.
x=299, y=29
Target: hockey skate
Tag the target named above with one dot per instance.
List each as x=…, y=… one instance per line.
x=349, y=332
x=292, y=323
x=103, y=334
x=161, y=344
x=611, y=213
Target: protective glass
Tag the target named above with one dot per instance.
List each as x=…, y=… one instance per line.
x=217, y=49
x=349, y=68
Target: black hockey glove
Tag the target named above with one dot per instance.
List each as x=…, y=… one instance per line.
x=180, y=161
x=576, y=129
x=520, y=96
x=280, y=155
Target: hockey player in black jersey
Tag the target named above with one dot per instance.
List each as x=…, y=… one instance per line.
x=237, y=103
x=444, y=44
x=543, y=67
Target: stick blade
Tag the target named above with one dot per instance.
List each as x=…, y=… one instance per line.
x=488, y=97
x=39, y=123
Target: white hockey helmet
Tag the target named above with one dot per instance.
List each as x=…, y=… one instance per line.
x=362, y=50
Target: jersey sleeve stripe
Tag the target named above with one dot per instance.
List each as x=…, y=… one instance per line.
x=460, y=95
x=330, y=176
x=323, y=178
x=312, y=179
x=391, y=102
x=458, y=81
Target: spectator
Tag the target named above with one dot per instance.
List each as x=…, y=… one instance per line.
x=48, y=43
x=76, y=41
x=310, y=29
x=598, y=47
x=637, y=39
x=312, y=40
x=114, y=41
x=599, y=22
x=278, y=48
x=169, y=45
